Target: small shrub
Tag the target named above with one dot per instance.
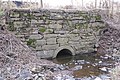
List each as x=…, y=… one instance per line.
x=31, y=43
x=42, y=29
x=98, y=17
x=11, y=26
x=1, y=13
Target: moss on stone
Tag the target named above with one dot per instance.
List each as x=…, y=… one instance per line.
x=98, y=17
x=30, y=16
x=42, y=29
x=85, y=25
x=78, y=26
x=11, y=26
x=21, y=14
x=1, y=12
x=15, y=14
x=31, y=43
x=50, y=31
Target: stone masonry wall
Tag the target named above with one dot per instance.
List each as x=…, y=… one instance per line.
x=49, y=31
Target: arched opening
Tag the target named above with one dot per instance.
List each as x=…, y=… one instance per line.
x=63, y=56
x=64, y=53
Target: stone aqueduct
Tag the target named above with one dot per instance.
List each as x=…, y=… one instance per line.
x=49, y=31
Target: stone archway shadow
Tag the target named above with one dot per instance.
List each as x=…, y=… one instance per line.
x=64, y=48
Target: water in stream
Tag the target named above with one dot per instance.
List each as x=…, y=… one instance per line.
x=86, y=67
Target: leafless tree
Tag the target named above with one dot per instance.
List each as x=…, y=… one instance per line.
x=112, y=7
x=82, y=3
x=41, y=1
x=95, y=3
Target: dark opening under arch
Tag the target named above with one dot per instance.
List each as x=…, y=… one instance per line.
x=64, y=53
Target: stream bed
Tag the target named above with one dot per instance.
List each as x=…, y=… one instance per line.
x=87, y=66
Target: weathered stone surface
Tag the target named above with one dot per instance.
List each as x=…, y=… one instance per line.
x=81, y=51
x=49, y=53
x=73, y=35
x=15, y=19
x=78, y=46
x=49, y=31
x=37, y=36
x=51, y=41
x=15, y=15
x=63, y=36
x=18, y=24
x=20, y=36
x=86, y=43
x=36, y=21
x=38, y=48
x=47, y=36
x=45, y=54
x=100, y=24
x=62, y=40
x=40, y=53
x=78, y=18
x=73, y=42
x=40, y=42
x=50, y=47
x=56, y=26
x=61, y=32
x=75, y=38
x=34, y=30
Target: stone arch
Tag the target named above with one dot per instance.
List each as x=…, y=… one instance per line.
x=64, y=48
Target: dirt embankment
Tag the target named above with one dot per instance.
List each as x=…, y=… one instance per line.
x=18, y=62
x=109, y=43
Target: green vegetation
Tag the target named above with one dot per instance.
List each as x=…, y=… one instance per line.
x=42, y=29
x=31, y=16
x=98, y=17
x=1, y=9
x=11, y=26
x=50, y=31
x=85, y=17
x=78, y=26
x=85, y=25
x=82, y=25
x=15, y=14
x=31, y=43
x=1, y=12
x=44, y=17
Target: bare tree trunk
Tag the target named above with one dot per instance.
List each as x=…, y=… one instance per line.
x=30, y=4
x=72, y=2
x=109, y=2
x=100, y=4
x=117, y=7
x=112, y=7
x=95, y=4
x=82, y=4
x=41, y=1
